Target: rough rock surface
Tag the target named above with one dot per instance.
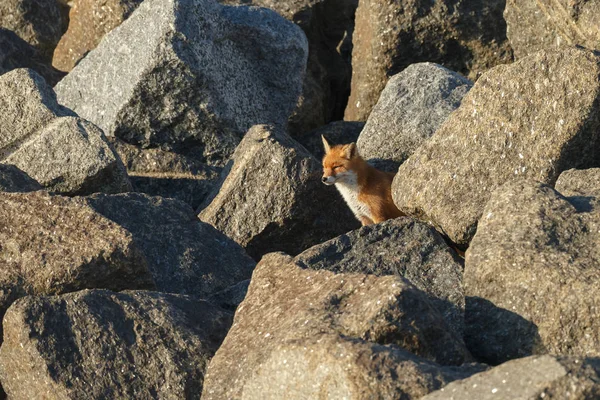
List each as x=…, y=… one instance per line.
x=230, y=298
x=411, y=108
x=50, y=143
x=190, y=73
x=533, y=119
x=401, y=247
x=89, y=21
x=536, y=377
x=338, y=132
x=533, y=25
x=164, y=173
x=464, y=36
x=271, y=197
x=99, y=344
x=320, y=332
x=12, y=179
x=53, y=244
x=40, y=23
x=579, y=183
x=184, y=255
x=535, y=256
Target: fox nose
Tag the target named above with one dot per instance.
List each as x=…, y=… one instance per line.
x=324, y=179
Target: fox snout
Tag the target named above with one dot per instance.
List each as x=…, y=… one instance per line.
x=328, y=179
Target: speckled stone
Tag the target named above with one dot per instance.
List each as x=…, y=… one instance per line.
x=531, y=119
x=12, y=179
x=271, y=198
x=301, y=332
x=579, y=183
x=533, y=25
x=536, y=377
x=535, y=263
x=411, y=108
x=190, y=74
x=99, y=344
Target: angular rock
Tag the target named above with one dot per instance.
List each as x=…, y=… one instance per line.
x=536, y=258
x=338, y=132
x=164, y=173
x=400, y=247
x=40, y=23
x=200, y=78
x=411, y=108
x=579, y=183
x=358, y=327
x=536, y=377
x=271, y=198
x=16, y=53
x=64, y=153
x=101, y=344
x=12, y=179
x=534, y=25
x=506, y=128
x=89, y=21
x=464, y=36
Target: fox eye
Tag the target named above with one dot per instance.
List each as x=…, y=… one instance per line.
x=336, y=167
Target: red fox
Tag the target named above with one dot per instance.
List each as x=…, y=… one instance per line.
x=366, y=190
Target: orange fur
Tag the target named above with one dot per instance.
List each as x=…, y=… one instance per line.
x=366, y=189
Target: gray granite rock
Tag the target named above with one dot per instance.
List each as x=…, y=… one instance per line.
x=411, y=108
x=100, y=344
x=534, y=25
x=299, y=333
x=12, y=179
x=579, y=183
x=534, y=119
x=532, y=271
x=338, y=132
x=270, y=197
x=401, y=247
x=468, y=37
x=190, y=73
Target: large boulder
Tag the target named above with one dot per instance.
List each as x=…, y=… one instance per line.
x=66, y=154
x=41, y=23
x=464, y=36
x=536, y=377
x=89, y=21
x=300, y=332
x=99, y=344
x=190, y=73
x=401, y=247
x=12, y=179
x=411, y=108
x=532, y=119
x=164, y=173
x=534, y=25
x=532, y=272
x=271, y=197
x=17, y=53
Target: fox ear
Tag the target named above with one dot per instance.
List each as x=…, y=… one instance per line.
x=350, y=151
x=326, y=144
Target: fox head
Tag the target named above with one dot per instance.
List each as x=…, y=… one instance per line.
x=338, y=163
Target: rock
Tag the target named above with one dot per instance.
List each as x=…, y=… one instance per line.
x=100, y=344
x=271, y=197
x=534, y=25
x=40, y=23
x=505, y=129
x=89, y=21
x=16, y=53
x=300, y=332
x=464, y=36
x=230, y=298
x=164, y=173
x=191, y=82
x=12, y=179
x=400, y=247
x=184, y=255
x=579, y=183
x=53, y=244
x=535, y=256
x=410, y=109
x=536, y=377
x=50, y=143
x=338, y=132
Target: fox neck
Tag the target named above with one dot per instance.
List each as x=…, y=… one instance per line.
x=350, y=190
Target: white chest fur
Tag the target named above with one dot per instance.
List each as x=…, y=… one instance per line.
x=349, y=190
